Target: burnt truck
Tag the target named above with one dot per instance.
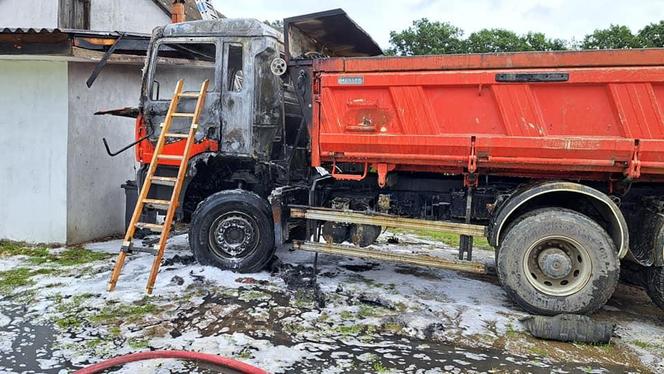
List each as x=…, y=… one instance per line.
x=312, y=140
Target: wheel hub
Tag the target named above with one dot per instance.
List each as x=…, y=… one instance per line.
x=554, y=263
x=557, y=266
x=234, y=235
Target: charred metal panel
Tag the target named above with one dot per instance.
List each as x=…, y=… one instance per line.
x=329, y=33
x=268, y=103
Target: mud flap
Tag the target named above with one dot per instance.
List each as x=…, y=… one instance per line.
x=569, y=328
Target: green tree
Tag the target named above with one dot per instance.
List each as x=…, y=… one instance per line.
x=425, y=37
x=652, y=36
x=614, y=37
x=495, y=40
x=536, y=41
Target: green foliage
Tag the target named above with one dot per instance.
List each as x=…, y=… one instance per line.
x=425, y=37
x=537, y=41
x=494, y=40
x=614, y=37
x=652, y=36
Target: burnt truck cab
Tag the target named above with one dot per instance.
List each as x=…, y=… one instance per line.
x=246, y=111
x=252, y=136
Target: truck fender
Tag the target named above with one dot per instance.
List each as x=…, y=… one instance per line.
x=552, y=193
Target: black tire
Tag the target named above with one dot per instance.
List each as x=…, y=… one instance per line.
x=233, y=230
x=655, y=285
x=364, y=235
x=555, y=260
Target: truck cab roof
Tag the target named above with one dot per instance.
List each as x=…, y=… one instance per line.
x=235, y=27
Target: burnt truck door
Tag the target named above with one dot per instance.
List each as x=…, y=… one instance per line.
x=236, y=101
x=193, y=60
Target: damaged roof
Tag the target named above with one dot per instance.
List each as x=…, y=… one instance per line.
x=64, y=42
x=190, y=10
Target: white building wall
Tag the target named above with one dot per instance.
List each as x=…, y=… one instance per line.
x=33, y=140
x=96, y=203
x=126, y=15
x=29, y=13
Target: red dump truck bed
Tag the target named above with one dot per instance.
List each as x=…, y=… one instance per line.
x=590, y=115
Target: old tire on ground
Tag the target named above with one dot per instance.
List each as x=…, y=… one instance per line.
x=655, y=285
x=556, y=260
x=233, y=230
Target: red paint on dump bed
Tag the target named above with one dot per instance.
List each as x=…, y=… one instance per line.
x=449, y=114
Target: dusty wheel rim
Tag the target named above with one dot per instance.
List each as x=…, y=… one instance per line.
x=233, y=235
x=557, y=266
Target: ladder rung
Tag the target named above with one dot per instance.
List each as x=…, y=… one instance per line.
x=164, y=181
x=157, y=203
x=189, y=115
x=170, y=157
x=151, y=251
x=150, y=226
x=173, y=135
x=190, y=94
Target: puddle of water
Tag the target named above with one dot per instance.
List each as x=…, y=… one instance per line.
x=30, y=347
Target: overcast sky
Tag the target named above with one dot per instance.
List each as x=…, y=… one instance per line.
x=558, y=18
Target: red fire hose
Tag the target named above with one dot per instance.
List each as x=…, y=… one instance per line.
x=181, y=355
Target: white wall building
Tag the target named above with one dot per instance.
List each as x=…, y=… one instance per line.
x=57, y=183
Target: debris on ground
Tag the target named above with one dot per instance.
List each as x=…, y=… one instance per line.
x=570, y=328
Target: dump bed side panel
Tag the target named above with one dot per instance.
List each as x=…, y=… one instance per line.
x=590, y=121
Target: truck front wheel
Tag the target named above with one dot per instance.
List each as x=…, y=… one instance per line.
x=555, y=261
x=233, y=230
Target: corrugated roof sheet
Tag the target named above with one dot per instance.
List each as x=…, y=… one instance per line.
x=19, y=30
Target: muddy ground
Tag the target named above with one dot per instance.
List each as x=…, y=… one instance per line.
x=358, y=317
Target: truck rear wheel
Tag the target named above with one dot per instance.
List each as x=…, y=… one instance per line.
x=555, y=261
x=655, y=285
x=233, y=230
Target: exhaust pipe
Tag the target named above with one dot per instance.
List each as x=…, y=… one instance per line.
x=177, y=11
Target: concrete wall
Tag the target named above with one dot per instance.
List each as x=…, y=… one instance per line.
x=126, y=15
x=95, y=201
x=29, y=13
x=33, y=140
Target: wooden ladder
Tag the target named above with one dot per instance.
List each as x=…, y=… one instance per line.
x=171, y=205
